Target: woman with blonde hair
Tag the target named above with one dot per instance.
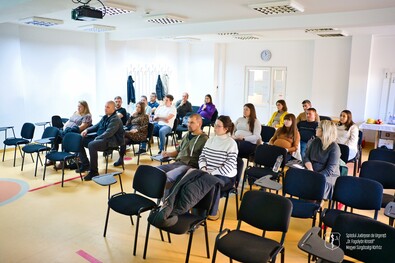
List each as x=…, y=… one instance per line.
x=323, y=155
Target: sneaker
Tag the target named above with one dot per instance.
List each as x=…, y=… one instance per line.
x=83, y=168
x=214, y=217
x=90, y=175
x=159, y=152
x=49, y=163
x=118, y=163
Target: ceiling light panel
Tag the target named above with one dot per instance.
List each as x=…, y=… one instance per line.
x=113, y=9
x=228, y=33
x=247, y=37
x=41, y=21
x=277, y=7
x=165, y=19
x=97, y=28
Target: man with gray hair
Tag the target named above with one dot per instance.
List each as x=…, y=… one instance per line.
x=183, y=106
x=109, y=133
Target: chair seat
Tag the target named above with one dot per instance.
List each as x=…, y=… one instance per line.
x=184, y=224
x=303, y=208
x=32, y=148
x=331, y=215
x=254, y=249
x=59, y=156
x=15, y=141
x=130, y=204
x=258, y=172
x=387, y=198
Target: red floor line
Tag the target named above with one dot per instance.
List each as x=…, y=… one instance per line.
x=48, y=185
x=88, y=257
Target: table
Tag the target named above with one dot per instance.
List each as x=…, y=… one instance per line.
x=43, y=123
x=378, y=128
x=5, y=128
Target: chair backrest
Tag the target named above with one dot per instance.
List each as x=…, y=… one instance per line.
x=265, y=211
x=267, y=133
x=360, y=137
x=214, y=117
x=305, y=184
x=382, y=236
x=195, y=109
x=150, y=131
x=175, y=125
x=27, y=131
x=382, y=155
x=322, y=117
x=266, y=155
x=359, y=193
x=344, y=152
x=149, y=181
x=72, y=142
x=203, y=207
x=50, y=132
x=240, y=168
x=56, y=121
x=380, y=171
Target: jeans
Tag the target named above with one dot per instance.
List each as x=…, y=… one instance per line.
x=303, y=146
x=94, y=146
x=161, y=131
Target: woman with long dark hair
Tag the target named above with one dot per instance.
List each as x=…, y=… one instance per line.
x=247, y=131
x=347, y=133
x=207, y=110
x=288, y=135
x=277, y=119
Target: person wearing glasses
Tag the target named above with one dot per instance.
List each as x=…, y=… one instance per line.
x=219, y=158
x=323, y=155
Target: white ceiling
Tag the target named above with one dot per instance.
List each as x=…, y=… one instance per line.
x=206, y=18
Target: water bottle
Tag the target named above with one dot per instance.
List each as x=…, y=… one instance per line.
x=278, y=163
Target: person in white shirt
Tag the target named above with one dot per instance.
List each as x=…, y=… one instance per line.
x=219, y=158
x=347, y=133
x=247, y=131
x=164, y=120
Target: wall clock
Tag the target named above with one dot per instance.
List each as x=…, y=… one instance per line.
x=266, y=55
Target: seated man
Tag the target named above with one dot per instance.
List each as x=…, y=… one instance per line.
x=306, y=104
x=183, y=106
x=307, y=129
x=164, y=117
x=109, y=134
x=153, y=103
x=121, y=112
x=188, y=152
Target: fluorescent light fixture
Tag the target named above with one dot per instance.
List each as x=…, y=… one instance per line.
x=187, y=39
x=41, y=21
x=97, y=28
x=113, y=8
x=277, y=7
x=247, y=37
x=326, y=32
x=165, y=19
x=228, y=33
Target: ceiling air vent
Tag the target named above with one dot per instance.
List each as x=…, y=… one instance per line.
x=111, y=8
x=41, y=21
x=97, y=28
x=165, y=19
x=277, y=7
x=228, y=33
x=246, y=37
x=326, y=32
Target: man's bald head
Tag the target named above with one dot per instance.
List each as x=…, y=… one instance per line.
x=109, y=108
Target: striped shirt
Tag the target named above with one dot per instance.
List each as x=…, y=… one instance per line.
x=219, y=156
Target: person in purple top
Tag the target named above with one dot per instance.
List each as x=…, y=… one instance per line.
x=207, y=110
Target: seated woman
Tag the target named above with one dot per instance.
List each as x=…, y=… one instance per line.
x=347, y=133
x=323, y=155
x=138, y=124
x=287, y=136
x=277, y=119
x=207, y=110
x=247, y=131
x=79, y=121
x=219, y=158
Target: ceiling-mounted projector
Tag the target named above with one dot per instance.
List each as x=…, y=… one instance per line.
x=86, y=13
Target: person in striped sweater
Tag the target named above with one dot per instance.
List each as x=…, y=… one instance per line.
x=219, y=158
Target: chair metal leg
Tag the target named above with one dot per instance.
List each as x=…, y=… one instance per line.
x=35, y=170
x=23, y=160
x=214, y=252
x=106, y=157
x=105, y=224
x=224, y=212
x=14, y=155
x=4, y=152
x=78, y=168
x=161, y=235
x=146, y=242
x=136, y=235
x=189, y=246
x=206, y=237
x=120, y=182
x=64, y=161
x=131, y=220
x=45, y=169
x=237, y=205
x=168, y=237
x=282, y=255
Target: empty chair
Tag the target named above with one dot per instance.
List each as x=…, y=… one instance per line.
x=188, y=223
x=27, y=133
x=71, y=146
x=382, y=155
x=353, y=192
x=57, y=122
x=49, y=133
x=265, y=211
x=226, y=192
x=148, y=182
x=267, y=133
x=306, y=189
x=382, y=172
x=264, y=160
x=378, y=241
x=322, y=117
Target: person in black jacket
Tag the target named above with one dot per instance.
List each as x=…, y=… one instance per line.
x=307, y=129
x=109, y=133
